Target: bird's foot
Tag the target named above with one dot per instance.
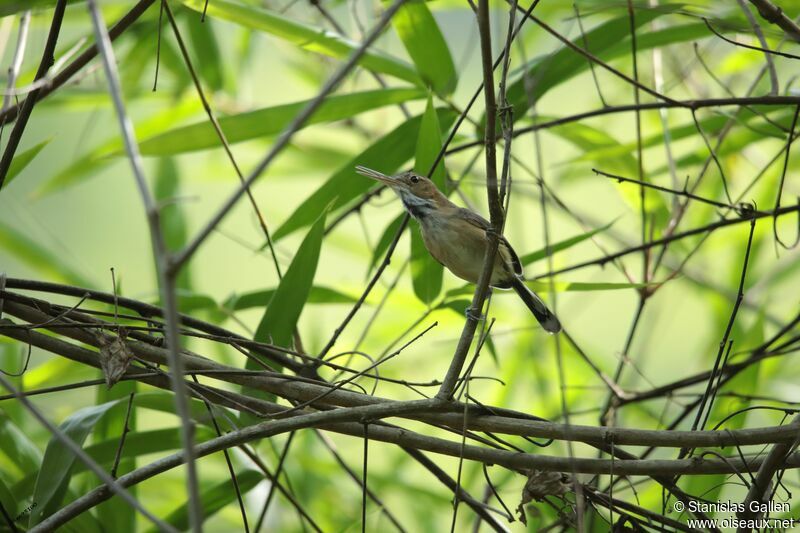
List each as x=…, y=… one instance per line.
x=474, y=314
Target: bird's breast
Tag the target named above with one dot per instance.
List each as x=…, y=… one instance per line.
x=460, y=246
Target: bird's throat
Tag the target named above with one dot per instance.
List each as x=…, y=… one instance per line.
x=417, y=207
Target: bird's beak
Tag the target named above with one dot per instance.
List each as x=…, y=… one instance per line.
x=379, y=176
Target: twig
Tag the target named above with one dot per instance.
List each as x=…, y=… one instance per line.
x=16, y=62
x=773, y=75
x=724, y=342
x=125, y=429
x=725, y=222
x=220, y=134
x=748, y=46
x=783, y=178
x=685, y=193
x=513, y=460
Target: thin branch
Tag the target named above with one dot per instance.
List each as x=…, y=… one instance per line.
x=166, y=281
x=773, y=74
x=725, y=222
x=495, y=209
x=748, y=46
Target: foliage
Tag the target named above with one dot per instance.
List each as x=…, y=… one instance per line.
x=633, y=185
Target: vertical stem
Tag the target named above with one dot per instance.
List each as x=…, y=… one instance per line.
x=495, y=209
x=166, y=277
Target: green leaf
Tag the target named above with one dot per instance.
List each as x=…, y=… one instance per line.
x=711, y=125
x=559, y=286
x=317, y=295
x=18, y=448
x=141, y=443
x=10, y=7
x=280, y=318
x=305, y=36
x=215, y=498
x=56, y=469
x=22, y=159
x=425, y=43
x=7, y=500
x=562, y=245
x=271, y=121
x=117, y=514
x=426, y=272
x=29, y=251
x=205, y=50
x=386, y=155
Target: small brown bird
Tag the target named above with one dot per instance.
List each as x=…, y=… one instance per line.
x=456, y=237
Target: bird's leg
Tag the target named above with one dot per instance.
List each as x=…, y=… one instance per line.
x=473, y=313
x=470, y=313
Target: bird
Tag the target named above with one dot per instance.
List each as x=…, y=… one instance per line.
x=456, y=238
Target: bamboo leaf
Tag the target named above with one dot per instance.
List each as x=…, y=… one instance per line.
x=7, y=500
x=280, y=318
x=215, y=498
x=56, y=469
x=386, y=154
x=270, y=121
x=317, y=295
x=18, y=448
x=576, y=286
x=306, y=37
x=559, y=286
x=22, y=159
x=425, y=43
x=207, y=57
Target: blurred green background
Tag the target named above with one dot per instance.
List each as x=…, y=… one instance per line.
x=74, y=212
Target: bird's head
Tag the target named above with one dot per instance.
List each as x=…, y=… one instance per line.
x=413, y=189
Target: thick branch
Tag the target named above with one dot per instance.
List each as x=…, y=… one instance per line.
x=775, y=15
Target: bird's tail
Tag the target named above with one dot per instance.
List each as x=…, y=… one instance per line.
x=546, y=318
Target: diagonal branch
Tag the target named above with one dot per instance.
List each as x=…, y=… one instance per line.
x=27, y=106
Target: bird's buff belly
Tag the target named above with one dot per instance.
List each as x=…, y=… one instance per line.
x=462, y=252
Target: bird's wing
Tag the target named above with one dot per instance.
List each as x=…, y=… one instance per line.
x=476, y=220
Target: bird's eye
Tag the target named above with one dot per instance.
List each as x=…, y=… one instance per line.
x=414, y=179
